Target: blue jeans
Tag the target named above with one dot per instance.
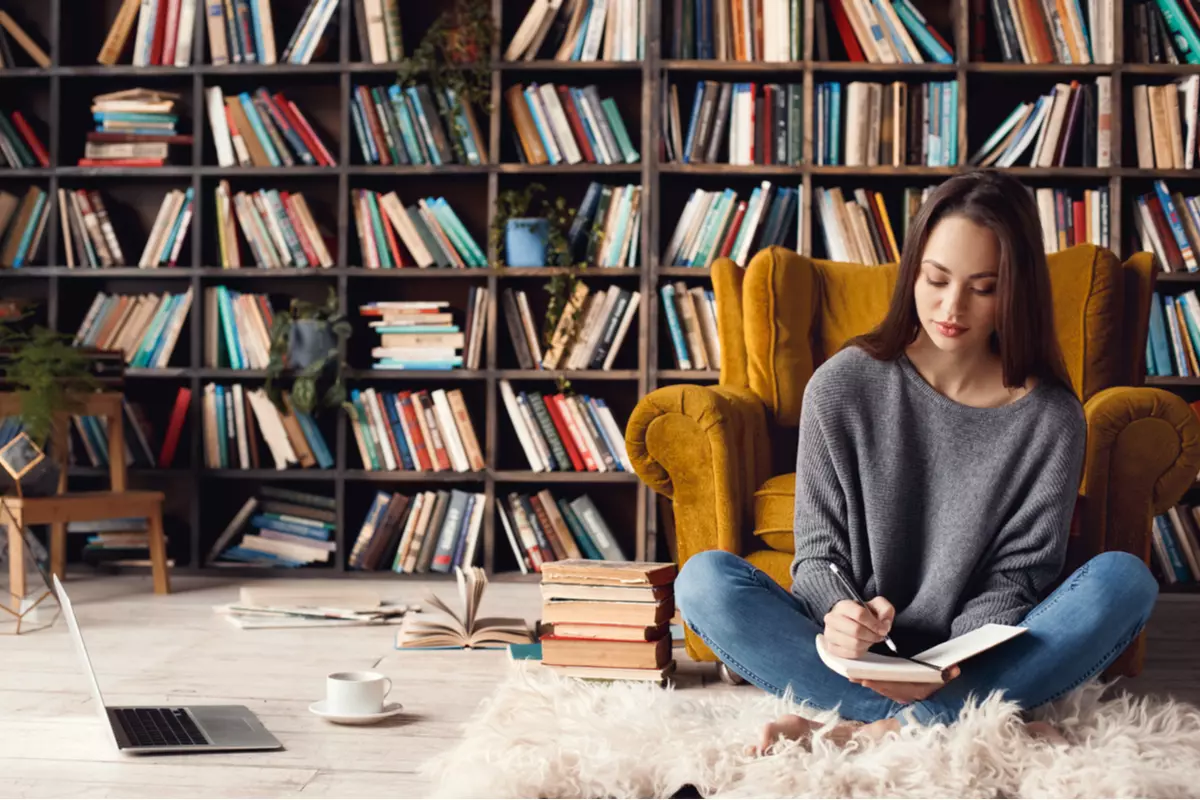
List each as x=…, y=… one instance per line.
x=757, y=628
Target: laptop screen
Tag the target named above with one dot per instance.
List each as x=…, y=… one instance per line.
x=64, y=602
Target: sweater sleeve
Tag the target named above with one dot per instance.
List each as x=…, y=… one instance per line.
x=1030, y=549
x=820, y=528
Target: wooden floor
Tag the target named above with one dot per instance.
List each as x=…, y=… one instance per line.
x=174, y=649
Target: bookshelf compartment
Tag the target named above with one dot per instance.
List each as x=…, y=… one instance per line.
x=28, y=292
x=138, y=336
x=76, y=117
x=157, y=406
x=85, y=27
x=1155, y=85
x=316, y=96
x=131, y=206
x=15, y=248
x=176, y=518
x=365, y=338
x=319, y=193
x=35, y=19
x=682, y=318
x=31, y=98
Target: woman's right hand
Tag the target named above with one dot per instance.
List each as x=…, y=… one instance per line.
x=850, y=629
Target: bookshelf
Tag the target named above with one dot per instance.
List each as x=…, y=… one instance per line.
x=205, y=499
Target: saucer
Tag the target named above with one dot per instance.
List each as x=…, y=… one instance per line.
x=389, y=710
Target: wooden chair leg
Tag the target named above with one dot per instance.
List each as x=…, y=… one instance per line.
x=16, y=558
x=58, y=550
x=158, y=554
x=1129, y=663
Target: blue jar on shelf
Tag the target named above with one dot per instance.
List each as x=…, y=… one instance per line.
x=525, y=241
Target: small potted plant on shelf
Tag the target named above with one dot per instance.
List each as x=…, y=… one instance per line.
x=307, y=340
x=455, y=52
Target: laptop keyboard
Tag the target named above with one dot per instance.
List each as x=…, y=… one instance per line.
x=159, y=727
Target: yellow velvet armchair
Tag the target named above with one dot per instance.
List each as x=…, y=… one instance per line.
x=725, y=455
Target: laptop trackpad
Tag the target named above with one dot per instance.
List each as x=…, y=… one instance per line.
x=228, y=725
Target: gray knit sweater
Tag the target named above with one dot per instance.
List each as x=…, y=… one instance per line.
x=957, y=515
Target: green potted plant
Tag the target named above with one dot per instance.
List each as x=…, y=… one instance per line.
x=307, y=340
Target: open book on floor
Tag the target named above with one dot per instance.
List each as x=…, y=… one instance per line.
x=876, y=667
x=465, y=630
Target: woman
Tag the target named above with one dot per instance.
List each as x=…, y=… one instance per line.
x=938, y=465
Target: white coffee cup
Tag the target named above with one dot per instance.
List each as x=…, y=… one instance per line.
x=356, y=693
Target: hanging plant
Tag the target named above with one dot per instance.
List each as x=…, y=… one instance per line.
x=307, y=339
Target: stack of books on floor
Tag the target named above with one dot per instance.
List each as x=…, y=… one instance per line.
x=736, y=123
x=542, y=528
x=278, y=227
x=278, y=528
x=561, y=433
x=237, y=329
x=144, y=327
x=309, y=606
x=692, y=322
x=1033, y=33
x=256, y=129
x=886, y=32
x=1070, y=126
x=579, y=30
x=1168, y=225
x=1165, y=124
x=20, y=147
x=395, y=125
x=144, y=112
x=716, y=224
x=588, y=334
x=433, y=531
x=557, y=125
x=1067, y=221
x=243, y=429
x=414, y=431
x=608, y=620
x=886, y=124
x=10, y=30
x=431, y=233
x=22, y=223
x=415, y=334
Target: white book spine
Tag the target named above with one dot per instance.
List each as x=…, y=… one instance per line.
x=445, y=418
x=183, y=41
x=518, y=423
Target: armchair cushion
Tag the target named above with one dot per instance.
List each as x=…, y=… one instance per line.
x=775, y=513
x=1088, y=287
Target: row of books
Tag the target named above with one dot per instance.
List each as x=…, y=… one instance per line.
x=20, y=147
x=144, y=112
x=380, y=33
x=9, y=29
x=249, y=37
x=278, y=228
x=414, y=431
x=607, y=228
x=887, y=32
x=395, y=125
x=555, y=125
x=243, y=429
x=717, y=224
x=1068, y=220
x=237, y=329
x=1071, y=32
x=1153, y=37
x=278, y=528
x=886, y=124
x=588, y=335
x=1175, y=543
x=541, y=529
x=163, y=36
x=1070, y=125
x=565, y=433
x=691, y=315
x=90, y=241
x=736, y=123
x=1168, y=225
x=736, y=30
x=423, y=334
x=1164, y=123
x=22, y=224
x=580, y=30
x=257, y=129
x=144, y=327
x=432, y=531
x=1173, y=341
x=427, y=234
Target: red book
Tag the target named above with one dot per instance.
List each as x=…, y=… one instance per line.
x=172, y=33
x=738, y=214
x=160, y=33
x=120, y=162
x=768, y=124
x=568, y=104
x=564, y=432
x=310, y=135
x=171, y=441
x=111, y=136
x=421, y=451
x=845, y=31
x=390, y=235
x=589, y=462
x=286, y=120
x=1079, y=222
x=39, y=151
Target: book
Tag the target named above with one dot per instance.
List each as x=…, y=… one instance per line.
x=465, y=630
x=608, y=573
x=623, y=654
x=875, y=666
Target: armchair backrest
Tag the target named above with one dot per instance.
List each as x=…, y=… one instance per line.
x=782, y=316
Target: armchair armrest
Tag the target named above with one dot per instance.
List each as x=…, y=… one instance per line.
x=706, y=448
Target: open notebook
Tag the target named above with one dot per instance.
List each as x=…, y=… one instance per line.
x=465, y=630
x=876, y=667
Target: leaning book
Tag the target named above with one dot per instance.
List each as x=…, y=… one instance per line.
x=456, y=631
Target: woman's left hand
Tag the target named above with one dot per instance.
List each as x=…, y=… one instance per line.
x=907, y=692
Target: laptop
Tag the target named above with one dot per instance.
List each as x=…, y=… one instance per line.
x=170, y=729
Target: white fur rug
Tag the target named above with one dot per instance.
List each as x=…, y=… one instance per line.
x=540, y=735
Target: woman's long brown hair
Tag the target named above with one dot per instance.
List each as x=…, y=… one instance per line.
x=1025, y=338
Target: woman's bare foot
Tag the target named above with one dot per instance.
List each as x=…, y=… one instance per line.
x=795, y=728
x=1044, y=730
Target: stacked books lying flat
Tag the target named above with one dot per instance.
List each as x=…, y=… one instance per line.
x=561, y=433
x=1173, y=343
x=163, y=36
x=1153, y=42
x=608, y=620
x=414, y=431
x=22, y=224
x=580, y=30
x=588, y=334
x=886, y=124
x=115, y=542
x=90, y=241
x=427, y=234
x=718, y=225
x=256, y=129
x=146, y=112
x=278, y=528
x=1168, y=225
x=278, y=227
x=1067, y=221
x=692, y=321
x=884, y=32
x=244, y=32
x=20, y=147
x=1176, y=544
x=1165, y=123
x=243, y=429
x=237, y=329
x=541, y=528
x=395, y=125
x=564, y=125
x=380, y=34
x=420, y=334
x=860, y=230
x=434, y=531
x=261, y=606
x=737, y=30
x=145, y=327
x=1070, y=126
x=1074, y=33
x=736, y=123
x=9, y=29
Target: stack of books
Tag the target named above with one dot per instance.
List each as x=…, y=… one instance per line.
x=1164, y=119
x=1068, y=220
x=580, y=30
x=1071, y=33
x=256, y=129
x=144, y=327
x=886, y=124
x=607, y=227
x=9, y=29
x=692, y=322
x=238, y=422
x=1176, y=543
x=142, y=112
x=419, y=334
x=564, y=125
x=380, y=34
x=561, y=433
x=414, y=431
x=1168, y=225
x=22, y=224
x=244, y=32
x=428, y=234
x=589, y=332
x=278, y=227
x=735, y=30
x=395, y=125
x=608, y=620
x=736, y=123
x=716, y=224
x=20, y=147
x=433, y=531
x=1070, y=126
x=164, y=32
x=237, y=329
x=278, y=528
x=883, y=32
x=541, y=528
